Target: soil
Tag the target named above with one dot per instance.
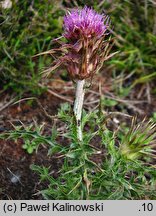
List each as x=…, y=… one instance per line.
x=17, y=180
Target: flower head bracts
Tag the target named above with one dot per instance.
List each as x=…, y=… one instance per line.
x=87, y=47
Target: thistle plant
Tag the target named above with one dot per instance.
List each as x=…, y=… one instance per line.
x=139, y=141
x=87, y=48
x=125, y=169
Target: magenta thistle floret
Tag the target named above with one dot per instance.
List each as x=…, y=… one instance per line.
x=85, y=23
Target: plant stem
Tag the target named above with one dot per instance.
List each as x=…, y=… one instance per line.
x=78, y=104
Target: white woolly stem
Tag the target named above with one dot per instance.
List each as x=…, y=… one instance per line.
x=78, y=104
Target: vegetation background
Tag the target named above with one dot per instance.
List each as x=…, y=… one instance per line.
x=127, y=84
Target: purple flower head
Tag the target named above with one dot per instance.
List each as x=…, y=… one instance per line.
x=87, y=46
x=85, y=23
